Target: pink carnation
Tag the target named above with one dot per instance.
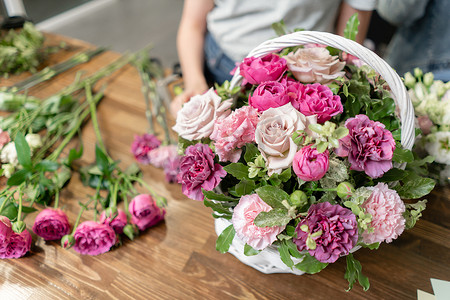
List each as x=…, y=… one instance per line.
x=317, y=99
x=268, y=94
x=142, y=145
x=51, y=224
x=332, y=231
x=387, y=210
x=244, y=214
x=233, y=132
x=310, y=165
x=256, y=70
x=93, y=238
x=368, y=145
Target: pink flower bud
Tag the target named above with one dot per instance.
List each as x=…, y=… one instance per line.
x=310, y=165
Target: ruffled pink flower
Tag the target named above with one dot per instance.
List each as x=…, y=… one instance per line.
x=117, y=221
x=310, y=165
x=317, y=99
x=142, y=145
x=51, y=224
x=332, y=231
x=166, y=157
x=244, y=214
x=19, y=244
x=387, y=210
x=144, y=211
x=172, y=168
x=268, y=94
x=5, y=235
x=92, y=238
x=4, y=138
x=256, y=70
x=368, y=145
x=233, y=132
x=198, y=171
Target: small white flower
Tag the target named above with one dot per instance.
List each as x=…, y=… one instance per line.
x=9, y=154
x=34, y=140
x=438, y=146
x=8, y=170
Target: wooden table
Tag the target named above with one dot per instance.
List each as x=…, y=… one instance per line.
x=177, y=259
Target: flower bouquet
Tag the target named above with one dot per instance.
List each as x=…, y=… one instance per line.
x=301, y=157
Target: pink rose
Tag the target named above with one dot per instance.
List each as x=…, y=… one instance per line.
x=51, y=224
x=144, y=211
x=328, y=232
x=352, y=60
x=317, y=99
x=4, y=138
x=233, y=132
x=256, y=70
x=368, y=145
x=244, y=214
x=142, y=145
x=18, y=245
x=117, y=220
x=268, y=94
x=314, y=65
x=199, y=171
x=5, y=235
x=387, y=210
x=310, y=165
x=93, y=238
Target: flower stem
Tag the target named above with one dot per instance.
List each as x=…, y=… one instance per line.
x=56, y=198
x=83, y=207
x=93, y=110
x=19, y=213
x=144, y=184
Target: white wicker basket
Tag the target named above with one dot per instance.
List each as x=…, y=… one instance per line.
x=268, y=260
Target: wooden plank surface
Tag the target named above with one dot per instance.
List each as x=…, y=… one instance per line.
x=177, y=259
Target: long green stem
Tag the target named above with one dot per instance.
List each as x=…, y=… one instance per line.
x=19, y=213
x=56, y=198
x=83, y=207
x=93, y=110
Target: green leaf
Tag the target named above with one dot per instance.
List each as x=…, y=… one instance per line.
x=217, y=207
x=283, y=249
x=245, y=187
x=225, y=239
x=218, y=197
x=279, y=28
x=23, y=151
x=353, y=272
x=18, y=177
x=101, y=160
x=402, y=155
x=132, y=170
x=74, y=154
x=293, y=250
x=238, y=170
x=373, y=246
x=351, y=29
x=415, y=187
x=285, y=175
x=274, y=217
x=9, y=211
x=47, y=166
x=310, y=265
x=249, y=251
x=273, y=196
x=393, y=174
x=28, y=209
x=386, y=108
x=290, y=230
x=251, y=152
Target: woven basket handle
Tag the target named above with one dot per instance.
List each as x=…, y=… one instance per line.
x=398, y=89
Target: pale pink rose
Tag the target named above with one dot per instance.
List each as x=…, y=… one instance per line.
x=233, y=132
x=310, y=165
x=4, y=138
x=273, y=135
x=158, y=157
x=196, y=119
x=387, y=210
x=244, y=214
x=314, y=65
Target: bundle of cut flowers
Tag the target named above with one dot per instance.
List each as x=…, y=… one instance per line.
x=304, y=157
x=431, y=100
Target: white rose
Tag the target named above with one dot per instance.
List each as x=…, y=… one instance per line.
x=9, y=154
x=8, y=170
x=33, y=140
x=196, y=118
x=274, y=135
x=438, y=145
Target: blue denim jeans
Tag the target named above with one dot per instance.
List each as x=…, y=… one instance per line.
x=217, y=64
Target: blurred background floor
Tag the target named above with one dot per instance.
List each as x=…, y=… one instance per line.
x=122, y=25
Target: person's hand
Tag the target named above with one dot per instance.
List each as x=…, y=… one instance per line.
x=184, y=97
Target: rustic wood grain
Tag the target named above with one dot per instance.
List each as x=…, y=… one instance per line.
x=177, y=259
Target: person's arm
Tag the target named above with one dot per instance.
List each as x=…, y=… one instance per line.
x=190, y=40
x=346, y=11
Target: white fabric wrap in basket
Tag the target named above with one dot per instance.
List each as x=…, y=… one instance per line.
x=268, y=261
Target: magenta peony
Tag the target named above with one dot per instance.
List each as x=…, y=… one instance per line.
x=117, y=220
x=317, y=99
x=198, y=171
x=387, y=210
x=142, y=145
x=244, y=214
x=310, y=165
x=144, y=211
x=233, y=132
x=93, y=238
x=5, y=235
x=268, y=94
x=19, y=244
x=368, y=145
x=51, y=224
x=256, y=70
x=327, y=232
